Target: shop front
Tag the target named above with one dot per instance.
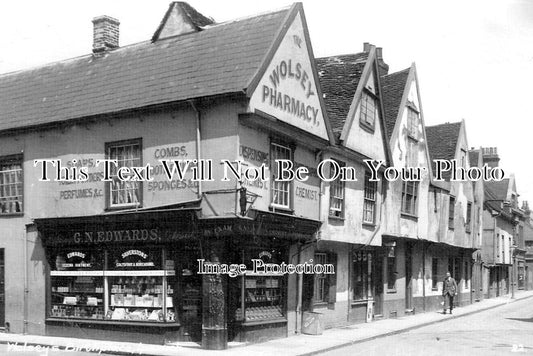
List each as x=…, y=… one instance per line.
x=123, y=276
x=144, y=276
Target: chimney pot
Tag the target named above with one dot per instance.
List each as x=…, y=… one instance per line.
x=105, y=33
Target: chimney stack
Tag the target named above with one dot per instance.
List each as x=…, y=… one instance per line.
x=490, y=156
x=105, y=33
x=383, y=67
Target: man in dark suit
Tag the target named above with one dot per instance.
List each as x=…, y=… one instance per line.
x=449, y=288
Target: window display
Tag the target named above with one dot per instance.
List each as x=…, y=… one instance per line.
x=77, y=297
x=140, y=298
x=128, y=284
x=261, y=295
x=263, y=298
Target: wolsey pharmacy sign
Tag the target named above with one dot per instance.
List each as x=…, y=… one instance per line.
x=288, y=89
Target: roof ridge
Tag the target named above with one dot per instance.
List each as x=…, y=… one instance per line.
x=341, y=55
x=148, y=41
x=248, y=17
x=445, y=123
x=397, y=72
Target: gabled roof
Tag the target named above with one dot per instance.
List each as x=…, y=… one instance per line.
x=442, y=142
x=339, y=78
x=220, y=59
x=392, y=90
x=192, y=16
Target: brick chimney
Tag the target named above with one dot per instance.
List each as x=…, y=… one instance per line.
x=490, y=156
x=383, y=67
x=105, y=33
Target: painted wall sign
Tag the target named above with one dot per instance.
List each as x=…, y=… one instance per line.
x=288, y=90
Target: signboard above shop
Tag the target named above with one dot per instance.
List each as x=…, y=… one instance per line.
x=288, y=90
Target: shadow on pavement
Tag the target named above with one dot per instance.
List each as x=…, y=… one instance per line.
x=527, y=320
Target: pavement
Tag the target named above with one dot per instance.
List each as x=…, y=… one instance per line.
x=300, y=345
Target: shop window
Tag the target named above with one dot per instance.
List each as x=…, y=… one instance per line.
x=370, y=198
x=412, y=123
x=368, y=110
x=11, y=185
x=362, y=277
x=127, y=154
x=262, y=290
x=281, y=191
x=139, y=288
x=434, y=273
x=336, y=198
x=410, y=197
x=451, y=213
x=468, y=226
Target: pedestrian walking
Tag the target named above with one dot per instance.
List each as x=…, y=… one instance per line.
x=449, y=288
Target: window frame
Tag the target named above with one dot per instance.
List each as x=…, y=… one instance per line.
x=413, y=208
x=273, y=157
x=340, y=185
x=468, y=223
x=108, y=190
x=359, y=259
x=412, y=113
x=320, y=284
x=451, y=213
x=13, y=159
x=370, y=185
x=368, y=96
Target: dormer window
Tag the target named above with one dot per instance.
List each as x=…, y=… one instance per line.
x=368, y=110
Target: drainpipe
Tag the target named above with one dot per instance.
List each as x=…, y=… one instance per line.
x=198, y=141
x=424, y=275
x=299, y=291
x=25, y=306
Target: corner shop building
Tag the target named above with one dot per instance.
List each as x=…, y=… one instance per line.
x=117, y=260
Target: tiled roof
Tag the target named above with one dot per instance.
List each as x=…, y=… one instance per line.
x=197, y=18
x=219, y=59
x=442, y=142
x=495, y=194
x=497, y=190
x=392, y=88
x=339, y=77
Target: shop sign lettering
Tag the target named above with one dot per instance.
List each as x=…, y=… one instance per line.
x=134, y=252
x=75, y=254
x=289, y=70
x=252, y=154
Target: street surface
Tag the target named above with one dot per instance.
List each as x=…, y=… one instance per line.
x=29, y=350
x=505, y=330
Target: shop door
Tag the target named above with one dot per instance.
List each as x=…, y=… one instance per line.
x=378, y=284
x=408, y=277
x=2, y=290
x=190, y=292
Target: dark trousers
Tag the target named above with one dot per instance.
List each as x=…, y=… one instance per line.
x=448, y=300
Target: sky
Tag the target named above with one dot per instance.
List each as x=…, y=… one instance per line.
x=474, y=58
